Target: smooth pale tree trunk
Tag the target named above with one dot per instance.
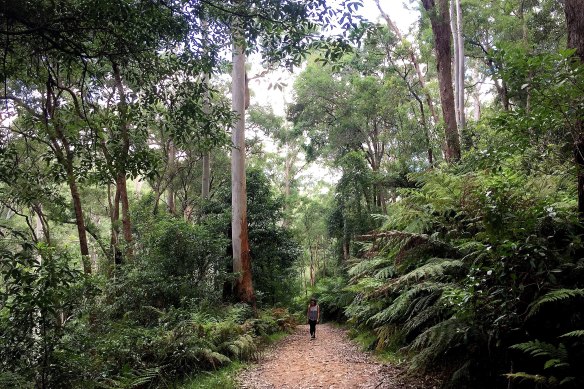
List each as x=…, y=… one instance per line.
x=206, y=175
x=477, y=106
x=461, y=67
x=171, y=166
x=454, y=29
x=415, y=62
x=42, y=224
x=206, y=179
x=574, y=10
x=241, y=255
x=440, y=22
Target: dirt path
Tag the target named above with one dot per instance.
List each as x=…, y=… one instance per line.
x=330, y=361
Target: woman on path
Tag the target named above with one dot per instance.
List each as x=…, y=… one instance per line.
x=313, y=314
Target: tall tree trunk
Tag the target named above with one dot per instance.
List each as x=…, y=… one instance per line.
x=171, y=169
x=241, y=256
x=574, y=10
x=312, y=270
x=62, y=148
x=206, y=175
x=441, y=29
x=454, y=29
x=122, y=159
x=206, y=178
x=477, y=106
x=81, y=229
x=461, y=68
x=42, y=224
x=114, y=211
x=126, y=224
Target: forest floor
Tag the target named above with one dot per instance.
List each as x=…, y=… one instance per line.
x=330, y=361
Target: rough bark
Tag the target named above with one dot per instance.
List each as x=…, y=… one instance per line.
x=440, y=22
x=574, y=10
x=241, y=255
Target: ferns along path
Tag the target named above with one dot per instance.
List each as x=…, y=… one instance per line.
x=179, y=178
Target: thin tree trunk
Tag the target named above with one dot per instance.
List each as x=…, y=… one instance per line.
x=126, y=224
x=441, y=29
x=81, y=230
x=241, y=255
x=169, y=191
x=121, y=169
x=206, y=175
x=42, y=224
x=414, y=60
x=61, y=147
x=206, y=179
x=311, y=265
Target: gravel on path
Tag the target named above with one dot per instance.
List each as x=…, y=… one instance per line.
x=330, y=361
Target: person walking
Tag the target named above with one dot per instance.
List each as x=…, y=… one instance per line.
x=313, y=314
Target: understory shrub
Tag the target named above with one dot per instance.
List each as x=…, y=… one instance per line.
x=474, y=271
x=156, y=319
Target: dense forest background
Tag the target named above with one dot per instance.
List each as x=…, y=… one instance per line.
x=146, y=238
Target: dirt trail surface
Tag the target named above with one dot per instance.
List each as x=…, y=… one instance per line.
x=330, y=361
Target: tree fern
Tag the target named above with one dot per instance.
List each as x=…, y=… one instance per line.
x=437, y=340
x=436, y=268
x=422, y=318
x=367, y=266
x=554, y=296
x=400, y=305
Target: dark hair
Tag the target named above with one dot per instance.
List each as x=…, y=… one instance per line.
x=312, y=299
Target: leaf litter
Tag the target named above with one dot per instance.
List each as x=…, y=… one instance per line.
x=330, y=361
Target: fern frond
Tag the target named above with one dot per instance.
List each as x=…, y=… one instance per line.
x=521, y=376
x=400, y=306
x=574, y=334
x=553, y=296
x=436, y=341
x=368, y=266
x=424, y=317
x=385, y=273
x=537, y=348
x=132, y=379
x=435, y=268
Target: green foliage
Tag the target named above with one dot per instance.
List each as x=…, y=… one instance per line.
x=554, y=296
x=38, y=291
x=465, y=263
x=220, y=379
